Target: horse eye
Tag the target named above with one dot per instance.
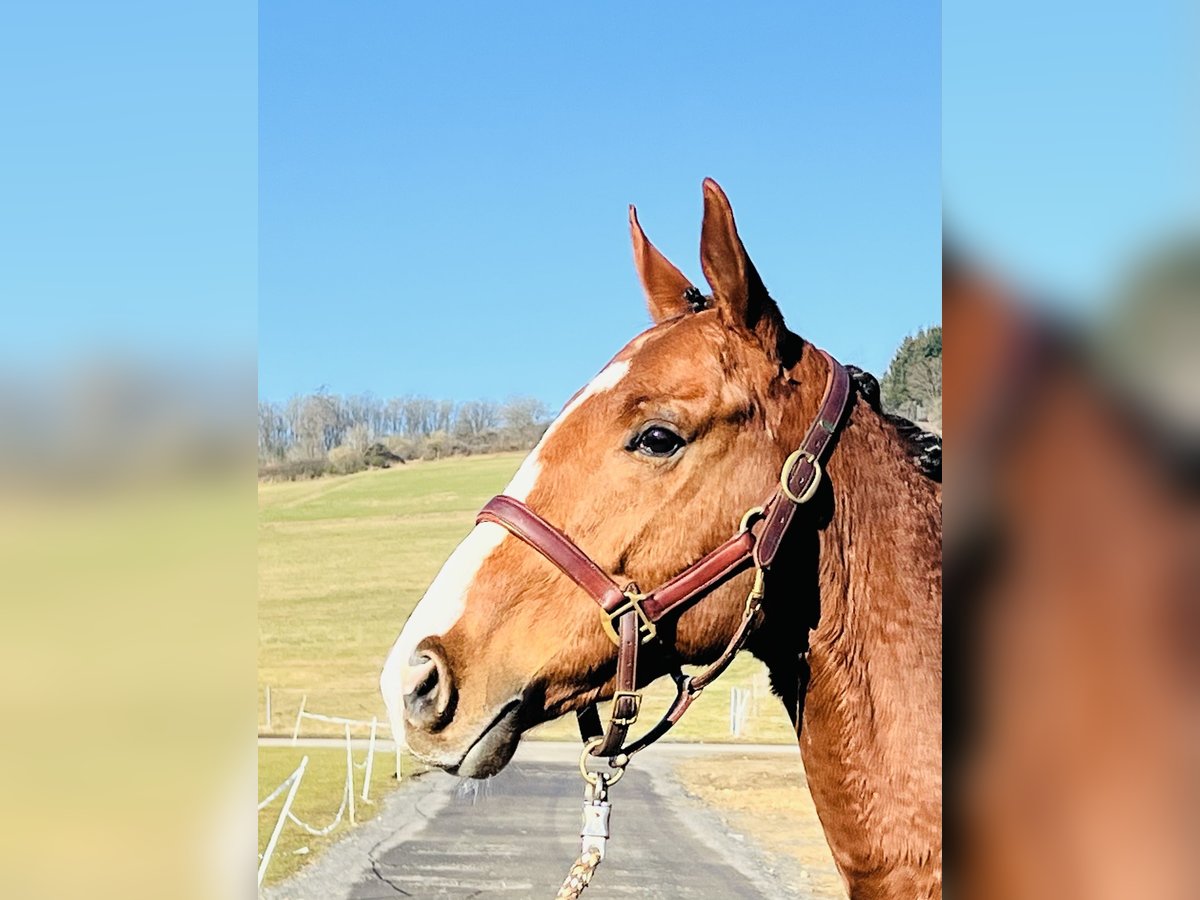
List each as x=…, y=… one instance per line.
x=657, y=440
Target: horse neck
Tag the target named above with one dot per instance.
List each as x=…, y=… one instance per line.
x=880, y=554
x=865, y=582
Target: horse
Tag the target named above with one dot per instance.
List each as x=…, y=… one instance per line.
x=648, y=469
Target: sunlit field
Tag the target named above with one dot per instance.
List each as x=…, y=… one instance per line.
x=341, y=563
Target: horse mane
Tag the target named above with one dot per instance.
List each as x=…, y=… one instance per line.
x=924, y=447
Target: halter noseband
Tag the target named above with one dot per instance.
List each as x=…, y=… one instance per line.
x=630, y=617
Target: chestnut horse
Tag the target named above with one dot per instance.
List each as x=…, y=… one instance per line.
x=648, y=468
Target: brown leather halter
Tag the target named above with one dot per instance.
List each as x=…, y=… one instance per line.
x=630, y=617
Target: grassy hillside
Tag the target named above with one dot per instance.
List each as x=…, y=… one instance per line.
x=341, y=563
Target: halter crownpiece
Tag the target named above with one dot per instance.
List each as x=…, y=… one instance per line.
x=630, y=617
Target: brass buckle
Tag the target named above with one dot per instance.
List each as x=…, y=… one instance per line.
x=633, y=602
x=637, y=706
x=786, y=475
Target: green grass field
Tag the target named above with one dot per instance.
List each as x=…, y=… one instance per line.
x=341, y=563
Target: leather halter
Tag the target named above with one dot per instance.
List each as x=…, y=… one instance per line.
x=630, y=617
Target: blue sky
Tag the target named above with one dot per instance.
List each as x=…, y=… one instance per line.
x=128, y=203
x=432, y=188
x=443, y=192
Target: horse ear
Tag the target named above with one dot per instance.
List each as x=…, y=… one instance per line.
x=738, y=292
x=666, y=288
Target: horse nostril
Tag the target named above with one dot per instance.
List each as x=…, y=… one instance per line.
x=427, y=689
x=422, y=675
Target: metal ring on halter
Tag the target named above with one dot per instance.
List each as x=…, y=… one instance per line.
x=591, y=777
x=786, y=475
x=753, y=513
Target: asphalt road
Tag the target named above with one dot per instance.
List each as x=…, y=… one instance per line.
x=515, y=836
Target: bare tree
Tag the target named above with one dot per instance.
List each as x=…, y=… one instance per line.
x=317, y=423
x=274, y=436
x=476, y=417
x=420, y=416
x=444, y=415
x=524, y=417
x=364, y=410
x=393, y=417
x=358, y=437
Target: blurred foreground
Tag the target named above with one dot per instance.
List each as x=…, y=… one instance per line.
x=127, y=550
x=1073, y=599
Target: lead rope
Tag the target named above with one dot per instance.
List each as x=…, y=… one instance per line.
x=579, y=876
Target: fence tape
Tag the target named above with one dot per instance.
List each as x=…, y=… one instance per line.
x=292, y=782
x=320, y=832
x=338, y=720
x=347, y=800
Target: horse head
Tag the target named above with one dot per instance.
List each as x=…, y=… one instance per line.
x=648, y=467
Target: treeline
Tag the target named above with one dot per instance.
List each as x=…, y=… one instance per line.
x=912, y=386
x=323, y=433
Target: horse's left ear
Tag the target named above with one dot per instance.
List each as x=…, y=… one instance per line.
x=738, y=292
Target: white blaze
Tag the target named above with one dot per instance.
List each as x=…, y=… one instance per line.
x=446, y=598
x=523, y=482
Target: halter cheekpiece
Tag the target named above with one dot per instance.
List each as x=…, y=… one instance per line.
x=630, y=617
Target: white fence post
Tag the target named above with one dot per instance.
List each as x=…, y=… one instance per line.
x=370, y=759
x=268, y=707
x=739, y=706
x=349, y=776
x=299, y=716
x=283, y=814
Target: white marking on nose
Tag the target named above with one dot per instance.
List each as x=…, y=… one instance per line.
x=446, y=599
x=435, y=614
